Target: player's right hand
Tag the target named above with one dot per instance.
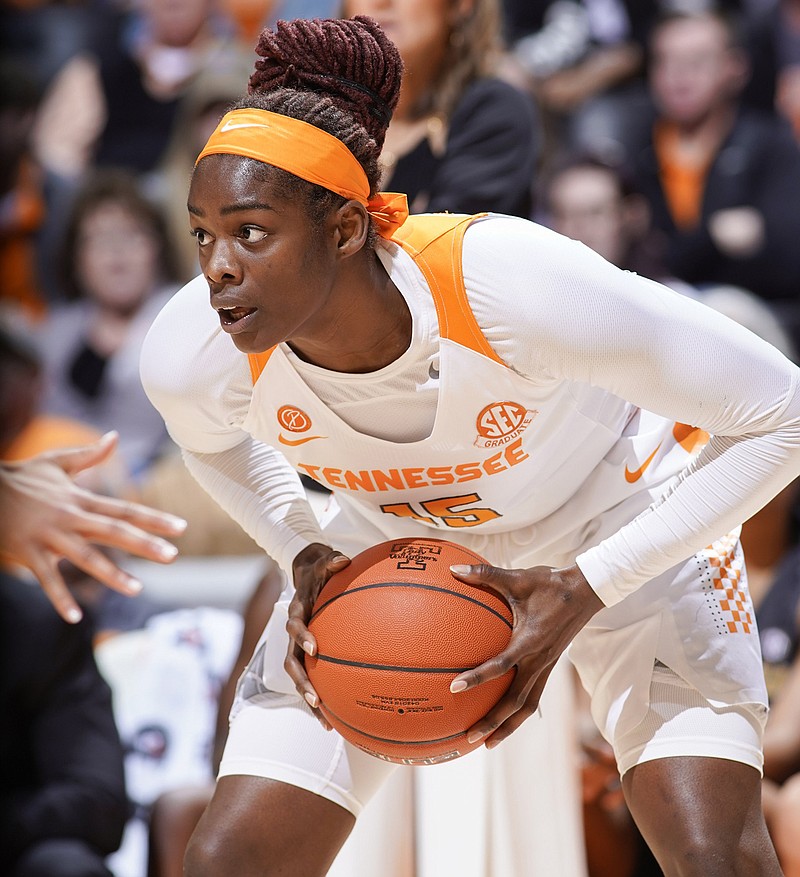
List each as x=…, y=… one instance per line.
x=312, y=567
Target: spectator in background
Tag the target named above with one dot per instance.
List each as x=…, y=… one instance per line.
x=460, y=138
x=723, y=181
x=117, y=104
x=596, y=203
x=117, y=270
x=775, y=52
x=22, y=205
x=62, y=793
x=201, y=107
x=781, y=792
x=54, y=516
x=584, y=61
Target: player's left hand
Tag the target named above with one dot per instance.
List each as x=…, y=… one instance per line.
x=550, y=606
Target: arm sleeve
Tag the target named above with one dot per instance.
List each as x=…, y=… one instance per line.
x=201, y=385
x=576, y=317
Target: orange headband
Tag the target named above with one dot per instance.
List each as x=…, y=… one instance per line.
x=307, y=152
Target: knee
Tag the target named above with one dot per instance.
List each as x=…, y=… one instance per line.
x=718, y=854
x=211, y=854
x=203, y=856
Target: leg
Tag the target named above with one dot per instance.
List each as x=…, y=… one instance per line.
x=256, y=827
x=702, y=816
x=173, y=818
x=786, y=826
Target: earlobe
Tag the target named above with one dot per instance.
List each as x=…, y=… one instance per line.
x=352, y=228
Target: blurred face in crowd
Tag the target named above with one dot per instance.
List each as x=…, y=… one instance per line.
x=586, y=204
x=694, y=69
x=117, y=259
x=419, y=28
x=176, y=22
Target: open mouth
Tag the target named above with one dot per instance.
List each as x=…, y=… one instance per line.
x=231, y=316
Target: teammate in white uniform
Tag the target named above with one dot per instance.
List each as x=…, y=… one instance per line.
x=548, y=411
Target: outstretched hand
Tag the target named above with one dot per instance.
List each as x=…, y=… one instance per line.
x=312, y=567
x=550, y=606
x=47, y=517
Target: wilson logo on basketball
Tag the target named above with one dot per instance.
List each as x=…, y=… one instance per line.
x=414, y=555
x=502, y=422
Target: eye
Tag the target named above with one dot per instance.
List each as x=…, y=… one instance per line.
x=203, y=237
x=252, y=234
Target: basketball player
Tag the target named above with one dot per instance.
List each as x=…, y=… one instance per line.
x=48, y=517
x=488, y=381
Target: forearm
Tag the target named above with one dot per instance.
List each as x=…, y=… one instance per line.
x=731, y=480
x=255, y=485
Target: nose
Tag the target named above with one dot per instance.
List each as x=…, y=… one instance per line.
x=220, y=264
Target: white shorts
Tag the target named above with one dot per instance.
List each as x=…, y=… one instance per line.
x=681, y=722
x=696, y=619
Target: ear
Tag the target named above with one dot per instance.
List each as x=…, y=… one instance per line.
x=351, y=228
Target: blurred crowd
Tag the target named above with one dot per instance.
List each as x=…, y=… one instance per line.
x=664, y=134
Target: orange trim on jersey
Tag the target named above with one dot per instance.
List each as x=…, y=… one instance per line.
x=258, y=362
x=434, y=241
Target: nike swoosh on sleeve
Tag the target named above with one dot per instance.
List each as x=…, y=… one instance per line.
x=634, y=476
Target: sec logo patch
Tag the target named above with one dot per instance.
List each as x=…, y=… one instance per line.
x=502, y=422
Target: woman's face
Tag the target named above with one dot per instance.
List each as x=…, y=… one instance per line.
x=419, y=28
x=117, y=258
x=270, y=270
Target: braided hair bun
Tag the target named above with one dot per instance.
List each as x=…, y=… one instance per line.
x=350, y=60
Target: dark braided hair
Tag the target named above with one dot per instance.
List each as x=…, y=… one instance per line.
x=340, y=75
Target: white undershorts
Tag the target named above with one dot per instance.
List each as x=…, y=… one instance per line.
x=681, y=722
x=277, y=737
x=286, y=743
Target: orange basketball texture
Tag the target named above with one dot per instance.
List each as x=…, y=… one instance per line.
x=393, y=630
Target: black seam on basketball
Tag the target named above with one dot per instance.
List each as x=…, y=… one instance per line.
x=412, y=585
x=341, y=721
x=331, y=660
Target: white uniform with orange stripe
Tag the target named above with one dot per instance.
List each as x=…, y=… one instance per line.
x=524, y=448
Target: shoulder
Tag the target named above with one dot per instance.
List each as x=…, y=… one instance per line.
x=513, y=241
x=190, y=368
x=490, y=101
x=762, y=131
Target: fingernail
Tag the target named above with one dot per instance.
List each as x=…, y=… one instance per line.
x=492, y=743
x=457, y=685
x=475, y=736
x=311, y=699
x=308, y=647
x=74, y=615
x=460, y=569
x=168, y=552
x=134, y=585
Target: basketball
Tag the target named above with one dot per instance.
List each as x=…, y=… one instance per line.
x=393, y=629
